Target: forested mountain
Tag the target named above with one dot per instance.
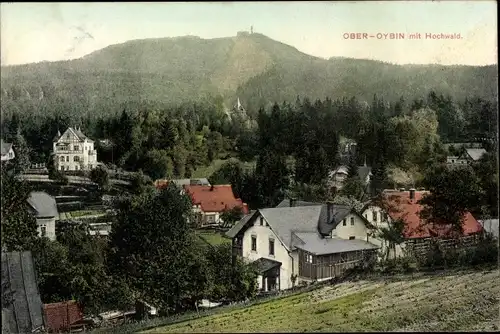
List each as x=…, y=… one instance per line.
x=252, y=66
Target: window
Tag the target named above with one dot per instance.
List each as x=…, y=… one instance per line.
x=375, y=216
x=352, y=238
x=67, y=158
x=62, y=159
x=309, y=258
x=76, y=167
x=261, y=221
x=76, y=148
x=254, y=243
x=343, y=223
x=43, y=228
x=352, y=221
x=76, y=158
x=271, y=247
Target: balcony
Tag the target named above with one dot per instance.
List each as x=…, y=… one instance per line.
x=66, y=151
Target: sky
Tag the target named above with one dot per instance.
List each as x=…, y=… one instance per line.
x=34, y=32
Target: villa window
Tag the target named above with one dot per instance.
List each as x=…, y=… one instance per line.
x=76, y=158
x=62, y=159
x=67, y=158
x=76, y=148
x=352, y=221
x=352, y=238
x=43, y=229
x=309, y=258
x=375, y=216
x=271, y=247
x=254, y=243
x=344, y=223
x=261, y=221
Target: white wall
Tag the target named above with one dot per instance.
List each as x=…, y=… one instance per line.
x=50, y=227
x=73, y=149
x=358, y=230
x=263, y=233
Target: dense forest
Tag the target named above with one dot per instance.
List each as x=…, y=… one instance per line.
x=300, y=141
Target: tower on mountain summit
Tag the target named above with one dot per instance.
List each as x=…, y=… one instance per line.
x=238, y=106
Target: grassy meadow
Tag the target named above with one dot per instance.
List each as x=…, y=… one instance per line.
x=465, y=301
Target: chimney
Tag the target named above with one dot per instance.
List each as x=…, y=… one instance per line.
x=292, y=202
x=412, y=194
x=329, y=211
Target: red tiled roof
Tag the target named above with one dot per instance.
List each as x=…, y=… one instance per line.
x=216, y=199
x=409, y=211
x=60, y=316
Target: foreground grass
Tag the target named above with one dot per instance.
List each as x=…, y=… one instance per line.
x=214, y=238
x=460, y=301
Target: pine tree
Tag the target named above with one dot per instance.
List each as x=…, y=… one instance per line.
x=352, y=167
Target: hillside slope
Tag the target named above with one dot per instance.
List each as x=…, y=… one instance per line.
x=467, y=301
x=253, y=67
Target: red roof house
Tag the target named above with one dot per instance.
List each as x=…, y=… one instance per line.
x=408, y=209
x=215, y=198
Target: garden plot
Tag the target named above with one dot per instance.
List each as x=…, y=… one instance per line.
x=462, y=301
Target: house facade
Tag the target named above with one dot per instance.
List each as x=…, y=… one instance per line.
x=7, y=151
x=338, y=176
x=209, y=202
x=44, y=208
x=73, y=150
x=294, y=244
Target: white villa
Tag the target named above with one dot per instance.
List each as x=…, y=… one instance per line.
x=74, y=151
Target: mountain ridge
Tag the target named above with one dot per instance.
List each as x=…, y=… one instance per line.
x=254, y=67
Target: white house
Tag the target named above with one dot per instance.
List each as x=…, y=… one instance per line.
x=74, y=151
x=291, y=244
x=7, y=151
x=44, y=207
x=338, y=176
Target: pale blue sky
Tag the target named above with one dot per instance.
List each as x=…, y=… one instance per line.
x=32, y=32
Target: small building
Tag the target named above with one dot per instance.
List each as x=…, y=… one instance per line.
x=44, y=207
x=209, y=202
x=73, y=150
x=338, y=176
x=7, y=151
x=294, y=244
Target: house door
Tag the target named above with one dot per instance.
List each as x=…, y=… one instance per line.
x=271, y=283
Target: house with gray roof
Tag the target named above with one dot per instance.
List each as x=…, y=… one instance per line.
x=337, y=177
x=44, y=208
x=302, y=242
x=7, y=151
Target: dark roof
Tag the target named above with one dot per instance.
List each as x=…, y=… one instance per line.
x=25, y=314
x=5, y=147
x=286, y=203
x=43, y=204
x=315, y=244
x=263, y=265
x=239, y=225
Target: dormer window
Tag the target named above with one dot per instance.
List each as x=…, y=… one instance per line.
x=344, y=223
x=261, y=221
